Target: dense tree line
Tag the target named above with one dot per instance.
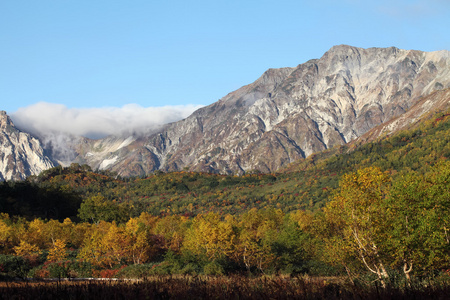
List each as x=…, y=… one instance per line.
x=373, y=223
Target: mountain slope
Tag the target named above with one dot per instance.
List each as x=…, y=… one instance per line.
x=285, y=115
x=21, y=154
x=426, y=107
x=307, y=184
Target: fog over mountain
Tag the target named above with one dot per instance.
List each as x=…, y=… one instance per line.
x=61, y=128
x=43, y=119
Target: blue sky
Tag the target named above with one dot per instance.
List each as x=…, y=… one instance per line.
x=93, y=54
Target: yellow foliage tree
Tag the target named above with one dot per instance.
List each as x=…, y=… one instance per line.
x=53, y=230
x=138, y=246
x=5, y=234
x=36, y=234
x=26, y=249
x=303, y=218
x=79, y=232
x=358, y=219
x=115, y=245
x=93, y=248
x=210, y=236
x=172, y=229
x=58, y=251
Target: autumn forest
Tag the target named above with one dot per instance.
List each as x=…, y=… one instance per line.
x=379, y=212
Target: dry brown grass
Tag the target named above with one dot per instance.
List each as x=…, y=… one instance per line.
x=189, y=287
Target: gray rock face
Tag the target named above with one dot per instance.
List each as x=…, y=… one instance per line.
x=438, y=101
x=285, y=115
x=21, y=154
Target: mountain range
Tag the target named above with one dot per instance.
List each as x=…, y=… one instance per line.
x=348, y=95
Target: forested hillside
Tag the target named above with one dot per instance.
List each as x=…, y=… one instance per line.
x=380, y=208
x=58, y=192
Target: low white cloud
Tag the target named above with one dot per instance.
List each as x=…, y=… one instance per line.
x=44, y=119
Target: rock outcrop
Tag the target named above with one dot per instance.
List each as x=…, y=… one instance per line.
x=426, y=107
x=21, y=154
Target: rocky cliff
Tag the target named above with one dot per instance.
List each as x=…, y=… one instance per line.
x=425, y=108
x=21, y=154
x=285, y=115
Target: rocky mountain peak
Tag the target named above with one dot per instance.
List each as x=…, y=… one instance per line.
x=5, y=121
x=21, y=154
x=287, y=113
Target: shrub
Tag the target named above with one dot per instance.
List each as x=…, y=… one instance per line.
x=39, y=272
x=59, y=269
x=13, y=267
x=213, y=268
x=191, y=269
x=135, y=271
x=164, y=268
x=66, y=269
x=81, y=269
x=108, y=273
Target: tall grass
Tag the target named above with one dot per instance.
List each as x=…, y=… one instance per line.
x=223, y=287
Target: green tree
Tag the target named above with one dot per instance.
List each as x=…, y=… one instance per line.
x=97, y=208
x=292, y=246
x=419, y=209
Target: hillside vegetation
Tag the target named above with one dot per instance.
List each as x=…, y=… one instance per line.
x=378, y=212
x=58, y=192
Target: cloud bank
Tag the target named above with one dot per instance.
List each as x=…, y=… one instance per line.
x=43, y=119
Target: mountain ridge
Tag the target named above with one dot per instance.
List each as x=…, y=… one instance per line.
x=285, y=115
x=289, y=113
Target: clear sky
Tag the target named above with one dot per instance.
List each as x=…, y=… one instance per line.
x=91, y=54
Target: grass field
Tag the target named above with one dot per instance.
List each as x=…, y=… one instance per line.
x=203, y=287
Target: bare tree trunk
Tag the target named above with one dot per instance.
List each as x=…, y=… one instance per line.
x=260, y=266
x=349, y=274
x=372, y=251
x=446, y=235
x=244, y=257
x=406, y=271
x=384, y=273
x=377, y=269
